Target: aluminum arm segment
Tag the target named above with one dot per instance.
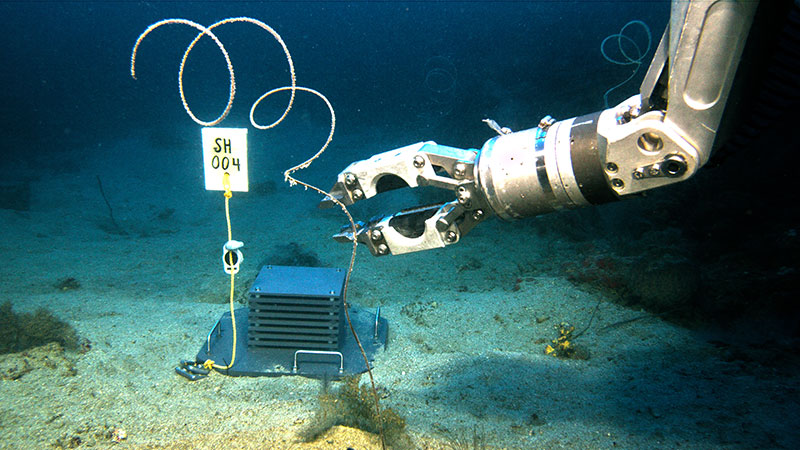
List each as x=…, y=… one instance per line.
x=658, y=137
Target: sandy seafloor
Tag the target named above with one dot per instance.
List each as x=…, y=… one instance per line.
x=469, y=363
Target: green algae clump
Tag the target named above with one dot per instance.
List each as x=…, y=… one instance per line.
x=20, y=332
x=352, y=405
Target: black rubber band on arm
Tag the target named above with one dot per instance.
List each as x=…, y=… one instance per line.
x=587, y=164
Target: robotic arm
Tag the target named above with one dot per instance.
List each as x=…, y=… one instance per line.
x=660, y=136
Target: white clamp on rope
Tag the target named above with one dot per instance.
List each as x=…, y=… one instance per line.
x=231, y=264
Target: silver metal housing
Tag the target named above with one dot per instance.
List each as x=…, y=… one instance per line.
x=529, y=172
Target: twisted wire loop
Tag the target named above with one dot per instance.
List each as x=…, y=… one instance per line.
x=278, y=38
x=440, y=75
x=203, y=31
x=627, y=59
x=206, y=31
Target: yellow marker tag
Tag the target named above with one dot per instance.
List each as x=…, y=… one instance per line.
x=225, y=151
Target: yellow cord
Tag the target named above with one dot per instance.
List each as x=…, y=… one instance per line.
x=209, y=364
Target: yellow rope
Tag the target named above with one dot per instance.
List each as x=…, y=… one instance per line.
x=209, y=364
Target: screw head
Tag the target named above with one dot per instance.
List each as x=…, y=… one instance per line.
x=617, y=183
x=638, y=174
x=376, y=235
x=382, y=249
x=358, y=194
x=612, y=167
x=477, y=214
x=654, y=171
x=350, y=179
x=650, y=142
x=450, y=236
x=463, y=196
x=460, y=170
x=419, y=162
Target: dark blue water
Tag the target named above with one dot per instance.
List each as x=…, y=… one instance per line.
x=66, y=65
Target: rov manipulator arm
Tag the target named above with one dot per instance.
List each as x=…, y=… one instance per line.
x=660, y=136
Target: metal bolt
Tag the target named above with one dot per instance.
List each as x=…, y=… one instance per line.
x=631, y=113
x=638, y=174
x=460, y=170
x=617, y=183
x=376, y=235
x=419, y=162
x=358, y=194
x=650, y=142
x=654, y=171
x=674, y=166
x=450, y=236
x=463, y=196
x=382, y=249
x=477, y=214
x=612, y=167
x=350, y=179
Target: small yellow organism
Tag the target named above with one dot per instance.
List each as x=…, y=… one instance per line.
x=118, y=435
x=561, y=346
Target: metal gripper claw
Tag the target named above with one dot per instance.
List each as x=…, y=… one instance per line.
x=417, y=228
